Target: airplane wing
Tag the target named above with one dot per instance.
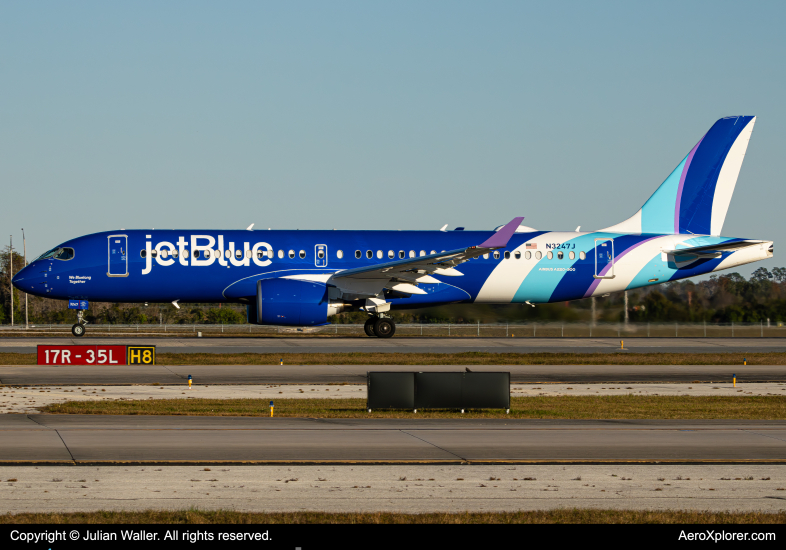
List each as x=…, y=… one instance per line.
x=713, y=250
x=405, y=275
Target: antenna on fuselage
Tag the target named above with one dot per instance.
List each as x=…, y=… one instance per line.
x=249, y=227
x=444, y=227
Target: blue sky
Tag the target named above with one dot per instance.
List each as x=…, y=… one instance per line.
x=371, y=115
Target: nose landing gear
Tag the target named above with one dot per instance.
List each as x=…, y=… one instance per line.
x=381, y=327
x=78, y=330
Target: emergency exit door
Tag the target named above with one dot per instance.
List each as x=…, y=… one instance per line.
x=320, y=255
x=118, y=255
x=604, y=258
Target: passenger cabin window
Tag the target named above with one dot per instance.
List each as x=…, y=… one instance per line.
x=527, y=255
x=433, y=252
x=572, y=255
x=582, y=256
x=391, y=254
x=302, y=254
x=496, y=255
x=291, y=253
x=358, y=254
x=142, y=253
x=369, y=254
x=411, y=253
x=320, y=254
x=550, y=255
x=538, y=255
x=379, y=254
x=422, y=252
x=280, y=253
x=560, y=255
x=339, y=254
x=238, y=253
x=507, y=255
x=517, y=255
x=401, y=254
x=174, y=254
x=486, y=256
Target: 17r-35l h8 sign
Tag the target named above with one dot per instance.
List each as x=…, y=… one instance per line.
x=96, y=355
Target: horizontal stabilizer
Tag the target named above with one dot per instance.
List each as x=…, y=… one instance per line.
x=712, y=251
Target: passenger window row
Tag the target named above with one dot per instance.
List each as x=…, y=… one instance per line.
x=204, y=253
x=402, y=254
x=538, y=255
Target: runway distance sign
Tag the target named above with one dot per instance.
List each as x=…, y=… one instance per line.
x=63, y=355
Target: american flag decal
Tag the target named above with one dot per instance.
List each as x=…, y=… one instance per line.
x=531, y=245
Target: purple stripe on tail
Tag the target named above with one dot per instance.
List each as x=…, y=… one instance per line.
x=682, y=183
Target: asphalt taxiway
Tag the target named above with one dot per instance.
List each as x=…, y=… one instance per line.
x=181, y=344
x=107, y=439
x=356, y=374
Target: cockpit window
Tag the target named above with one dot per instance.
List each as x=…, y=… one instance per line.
x=64, y=254
x=59, y=253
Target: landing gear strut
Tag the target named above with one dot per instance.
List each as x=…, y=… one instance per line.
x=78, y=329
x=381, y=327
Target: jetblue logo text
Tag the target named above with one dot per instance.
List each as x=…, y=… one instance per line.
x=204, y=250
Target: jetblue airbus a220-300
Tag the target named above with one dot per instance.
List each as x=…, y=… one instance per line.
x=301, y=278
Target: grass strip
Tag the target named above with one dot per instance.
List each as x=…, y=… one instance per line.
x=572, y=515
x=552, y=407
x=466, y=358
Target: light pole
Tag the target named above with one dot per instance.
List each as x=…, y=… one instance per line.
x=11, y=277
x=24, y=247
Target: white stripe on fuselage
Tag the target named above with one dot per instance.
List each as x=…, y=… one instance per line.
x=504, y=281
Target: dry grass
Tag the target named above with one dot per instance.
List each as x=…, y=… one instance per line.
x=471, y=358
x=562, y=407
x=467, y=358
x=574, y=515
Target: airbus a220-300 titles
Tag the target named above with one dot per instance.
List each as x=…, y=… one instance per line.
x=301, y=278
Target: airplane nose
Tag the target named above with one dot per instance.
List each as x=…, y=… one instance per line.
x=22, y=279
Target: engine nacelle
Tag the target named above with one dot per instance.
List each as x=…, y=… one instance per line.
x=292, y=302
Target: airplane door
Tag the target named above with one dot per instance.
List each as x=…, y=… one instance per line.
x=118, y=255
x=320, y=255
x=604, y=259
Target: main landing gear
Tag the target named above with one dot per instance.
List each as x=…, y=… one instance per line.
x=381, y=327
x=79, y=328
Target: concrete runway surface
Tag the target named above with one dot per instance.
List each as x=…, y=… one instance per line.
x=180, y=344
x=105, y=439
x=27, y=399
x=398, y=488
x=356, y=374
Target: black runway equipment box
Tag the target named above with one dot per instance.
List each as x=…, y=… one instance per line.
x=438, y=390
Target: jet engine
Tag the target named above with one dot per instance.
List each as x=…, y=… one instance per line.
x=292, y=302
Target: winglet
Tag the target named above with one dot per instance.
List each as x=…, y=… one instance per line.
x=500, y=238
